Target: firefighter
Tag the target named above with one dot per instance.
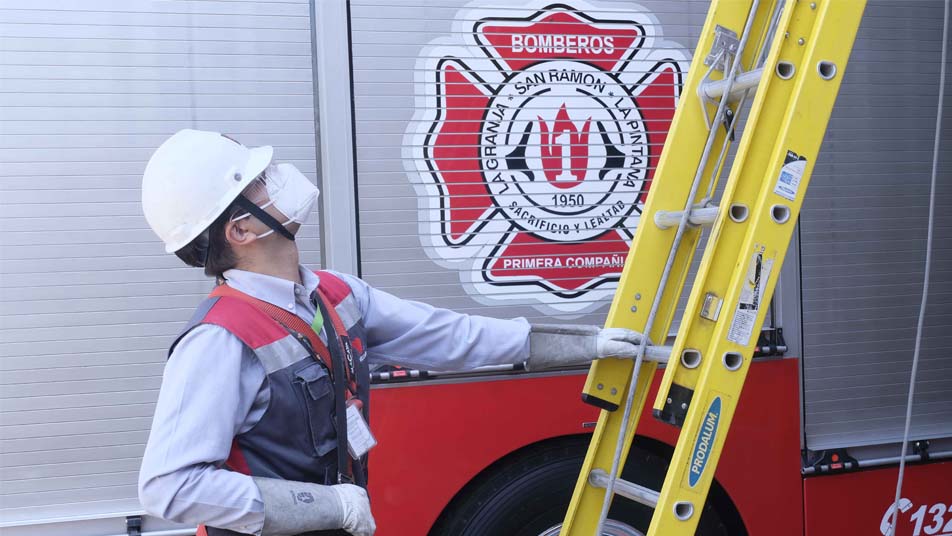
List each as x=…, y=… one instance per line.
x=269, y=379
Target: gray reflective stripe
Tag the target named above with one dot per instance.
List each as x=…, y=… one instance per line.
x=280, y=354
x=348, y=311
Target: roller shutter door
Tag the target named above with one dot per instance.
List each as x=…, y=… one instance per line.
x=863, y=230
x=90, y=301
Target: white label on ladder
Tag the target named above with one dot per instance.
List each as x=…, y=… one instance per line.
x=751, y=296
x=788, y=183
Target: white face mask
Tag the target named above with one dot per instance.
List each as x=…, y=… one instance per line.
x=290, y=192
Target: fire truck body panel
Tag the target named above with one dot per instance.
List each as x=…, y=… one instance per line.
x=861, y=503
x=521, y=411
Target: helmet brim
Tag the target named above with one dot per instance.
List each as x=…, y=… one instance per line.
x=259, y=159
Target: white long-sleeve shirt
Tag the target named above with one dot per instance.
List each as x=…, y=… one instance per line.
x=214, y=388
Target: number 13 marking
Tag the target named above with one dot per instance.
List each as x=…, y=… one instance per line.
x=938, y=511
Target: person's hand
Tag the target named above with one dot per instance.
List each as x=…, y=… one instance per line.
x=617, y=342
x=356, y=507
x=292, y=507
x=567, y=345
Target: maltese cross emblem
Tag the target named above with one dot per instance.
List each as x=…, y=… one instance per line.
x=536, y=135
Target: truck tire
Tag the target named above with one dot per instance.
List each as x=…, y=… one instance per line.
x=528, y=493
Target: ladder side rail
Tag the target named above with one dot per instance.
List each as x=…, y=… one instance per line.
x=705, y=302
x=608, y=379
x=622, y=444
x=828, y=32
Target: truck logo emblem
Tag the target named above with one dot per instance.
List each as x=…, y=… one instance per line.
x=705, y=442
x=564, y=150
x=533, y=145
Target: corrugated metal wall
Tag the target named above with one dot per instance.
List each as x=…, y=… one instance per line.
x=863, y=230
x=89, y=301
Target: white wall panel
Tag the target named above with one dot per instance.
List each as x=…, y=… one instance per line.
x=862, y=242
x=89, y=301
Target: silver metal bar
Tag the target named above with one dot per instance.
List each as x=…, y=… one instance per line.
x=335, y=148
x=890, y=460
x=665, y=219
x=743, y=82
x=640, y=494
x=416, y=374
x=656, y=354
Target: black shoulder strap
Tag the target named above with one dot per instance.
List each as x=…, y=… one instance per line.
x=356, y=474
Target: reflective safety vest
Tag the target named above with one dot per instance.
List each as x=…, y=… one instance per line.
x=296, y=438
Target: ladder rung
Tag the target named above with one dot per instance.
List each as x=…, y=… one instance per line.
x=640, y=494
x=658, y=354
x=743, y=82
x=666, y=219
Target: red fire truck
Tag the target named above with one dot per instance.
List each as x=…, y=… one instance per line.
x=491, y=157
x=500, y=455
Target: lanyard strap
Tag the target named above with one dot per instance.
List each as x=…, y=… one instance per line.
x=336, y=330
x=345, y=360
x=345, y=471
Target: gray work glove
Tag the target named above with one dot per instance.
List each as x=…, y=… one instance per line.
x=296, y=507
x=558, y=346
x=356, y=506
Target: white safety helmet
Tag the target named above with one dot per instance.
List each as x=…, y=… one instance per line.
x=192, y=178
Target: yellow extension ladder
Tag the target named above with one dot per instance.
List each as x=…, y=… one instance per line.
x=791, y=55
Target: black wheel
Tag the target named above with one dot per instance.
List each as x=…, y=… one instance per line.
x=528, y=493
